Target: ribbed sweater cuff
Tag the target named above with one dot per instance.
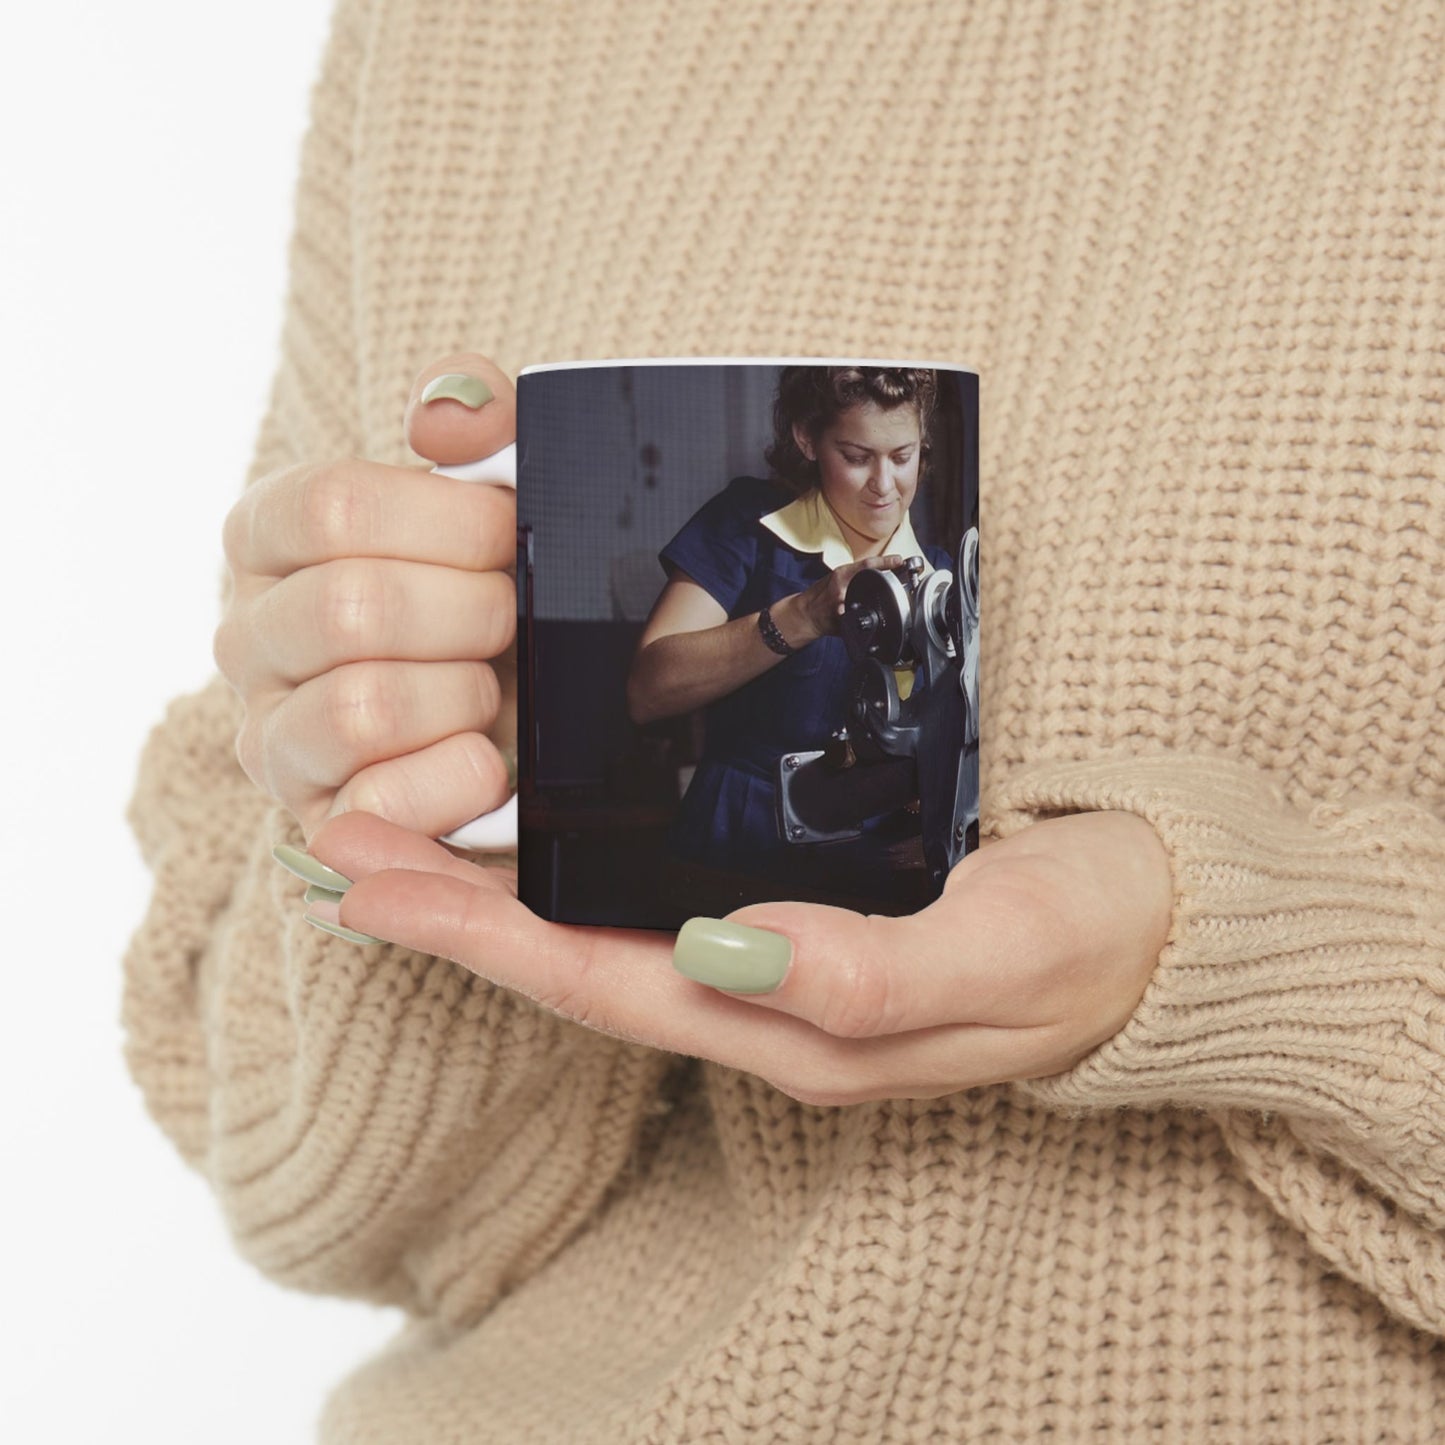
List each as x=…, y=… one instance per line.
x=1305, y=965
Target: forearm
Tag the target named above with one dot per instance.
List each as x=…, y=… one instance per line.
x=1298, y=999
x=686, y=670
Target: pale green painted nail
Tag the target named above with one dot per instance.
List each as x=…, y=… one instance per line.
x=304, y=866
x=471, y=391
x=731, y=955
x=349, y=934
x=316, y=894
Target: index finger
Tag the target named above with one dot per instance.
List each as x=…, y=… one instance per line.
x=618, y=981
x=356, y=508
x=871, y=564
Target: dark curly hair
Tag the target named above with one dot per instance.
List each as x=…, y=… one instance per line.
x=816, y=396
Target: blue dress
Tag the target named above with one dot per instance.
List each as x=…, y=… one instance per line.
x=728, y=817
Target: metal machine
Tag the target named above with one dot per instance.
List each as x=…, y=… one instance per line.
x=911, y=730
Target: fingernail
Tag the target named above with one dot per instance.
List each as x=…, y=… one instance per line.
x=326, y=909
x=316, y=894
x=731, y=955
x=303, y=865
x=471, y=391
x=349, y=934
x=509, y=756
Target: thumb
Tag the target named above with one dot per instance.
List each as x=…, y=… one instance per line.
x=849, y=974
x=462, y=408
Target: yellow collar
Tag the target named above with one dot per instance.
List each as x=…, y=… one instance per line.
x=808, y=525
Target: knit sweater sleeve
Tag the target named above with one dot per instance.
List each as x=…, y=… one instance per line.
x=1300, y=998
x=374, y=1122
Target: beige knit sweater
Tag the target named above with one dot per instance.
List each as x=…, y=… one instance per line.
x=1198, y=253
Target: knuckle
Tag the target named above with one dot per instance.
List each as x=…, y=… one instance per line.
x=862, y=997
x=360, y=710
x=263, y=744
x=573, y=996
x=1026, y=901
x=385, y=791
x=462, y=768
x=1023, y=914
x=481, y=764
x=489, y=692
x=501, y=616
x=224, y=649
x=332, y=508
x=236, y=531
x=492, y=522
x=250, y=750
x=579, y=996
x=352, y=606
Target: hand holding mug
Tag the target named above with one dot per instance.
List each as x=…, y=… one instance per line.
x=370, y=621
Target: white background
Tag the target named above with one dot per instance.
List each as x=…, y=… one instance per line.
x=148, y=155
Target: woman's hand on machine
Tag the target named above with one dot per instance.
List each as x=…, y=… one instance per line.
x=821, y=605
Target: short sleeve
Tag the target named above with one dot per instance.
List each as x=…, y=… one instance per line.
x=718, y=546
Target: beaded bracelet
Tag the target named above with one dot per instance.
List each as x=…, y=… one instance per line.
x=775, y=639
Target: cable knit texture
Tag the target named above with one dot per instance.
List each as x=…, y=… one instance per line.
x=1196, y=253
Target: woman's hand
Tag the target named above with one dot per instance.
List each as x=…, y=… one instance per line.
x=1038, y=951
x=821, y=605
x=365, y=600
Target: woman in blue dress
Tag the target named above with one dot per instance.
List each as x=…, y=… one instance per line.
x=747, y=624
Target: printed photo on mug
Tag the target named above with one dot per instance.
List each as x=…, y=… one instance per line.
x=747, y=635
